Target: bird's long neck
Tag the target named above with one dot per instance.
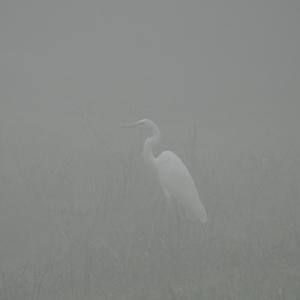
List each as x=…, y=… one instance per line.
x=150, y=143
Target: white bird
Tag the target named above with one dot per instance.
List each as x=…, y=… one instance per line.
x=174, y=177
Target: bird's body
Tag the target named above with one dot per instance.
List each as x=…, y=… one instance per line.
x=177, y=182
x=174, y=177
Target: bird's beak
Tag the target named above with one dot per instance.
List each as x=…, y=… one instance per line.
x=131, y=125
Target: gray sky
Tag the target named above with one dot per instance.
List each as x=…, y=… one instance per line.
x=226, y=64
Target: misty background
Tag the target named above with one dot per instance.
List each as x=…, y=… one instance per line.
x=80, y=217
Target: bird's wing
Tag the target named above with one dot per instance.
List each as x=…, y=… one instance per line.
x=177, y=180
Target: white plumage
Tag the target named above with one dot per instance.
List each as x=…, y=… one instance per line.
x=174, y=177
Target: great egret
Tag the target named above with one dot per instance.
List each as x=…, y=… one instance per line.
x=174, y=177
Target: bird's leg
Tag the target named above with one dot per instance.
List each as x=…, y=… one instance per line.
x=167, y=196
x=168, y=211
x=161, y=221
x=179, y=224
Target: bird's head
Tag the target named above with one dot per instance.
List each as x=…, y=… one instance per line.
x=148, y=124
x=143, y=123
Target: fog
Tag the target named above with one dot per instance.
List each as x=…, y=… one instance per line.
x=81, y=217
